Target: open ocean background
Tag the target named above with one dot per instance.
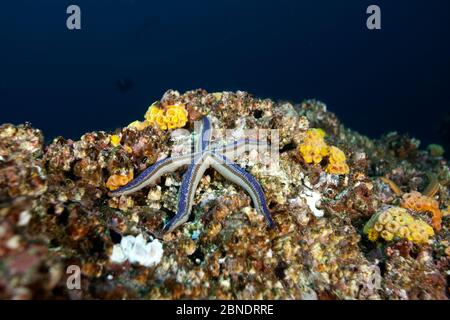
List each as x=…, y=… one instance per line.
x=129, y=52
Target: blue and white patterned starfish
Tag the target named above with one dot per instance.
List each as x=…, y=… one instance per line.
x=204, y=156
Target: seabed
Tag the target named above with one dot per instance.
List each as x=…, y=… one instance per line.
x=354, y=217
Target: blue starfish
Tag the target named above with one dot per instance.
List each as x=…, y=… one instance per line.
x=205, y=155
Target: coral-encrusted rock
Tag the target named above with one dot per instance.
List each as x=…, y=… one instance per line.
x=21, y=171
x=410, y=278
x=55, y=212
x=337, y=266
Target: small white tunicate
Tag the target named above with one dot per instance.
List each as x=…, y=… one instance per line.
x=117, y=255
x=24, y=218
x=138, y=251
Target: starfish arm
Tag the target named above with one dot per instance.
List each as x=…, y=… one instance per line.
x=236, y=148
x=239, y=176
x=189, y=184
x=204, y=134
x=151, y=174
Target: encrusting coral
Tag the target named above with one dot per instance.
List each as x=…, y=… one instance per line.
x=417, y=202
x=55, y=211
x=396, y=223
x=337, y=161
x=314, y=149
x=115, y=140
x=169, y=117
x=118, y=180
x=166, y=117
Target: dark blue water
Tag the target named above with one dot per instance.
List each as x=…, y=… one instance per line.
x=129, y=52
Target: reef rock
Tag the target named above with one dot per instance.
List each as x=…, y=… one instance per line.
x=56, y=214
